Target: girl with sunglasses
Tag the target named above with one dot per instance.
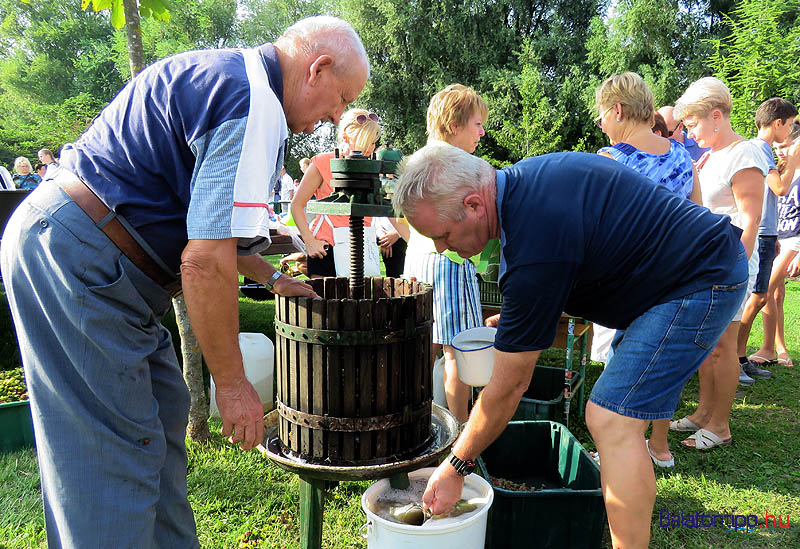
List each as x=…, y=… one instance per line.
x=359, y=130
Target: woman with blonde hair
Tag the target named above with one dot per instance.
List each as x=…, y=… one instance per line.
x=626, y=115
x=359, y=130
x=456, y=116
x=24, y=178
x=732, y=176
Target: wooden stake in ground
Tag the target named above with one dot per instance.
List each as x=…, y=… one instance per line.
x=192, y=374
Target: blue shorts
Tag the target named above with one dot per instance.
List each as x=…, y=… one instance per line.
x=766, y=255
x=657, y=354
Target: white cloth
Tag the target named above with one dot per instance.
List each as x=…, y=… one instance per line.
x=382, y=226
x=265, y=134
x=601, y=342
x=791, y=243
x=287, y=186
x=716, y=174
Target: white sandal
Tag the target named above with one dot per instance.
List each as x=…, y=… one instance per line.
x=706, y=440
x=684, y=425
x=666, y=464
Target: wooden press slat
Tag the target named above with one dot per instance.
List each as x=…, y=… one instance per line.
x=377, y=288
x=318, y=377
x=395, y=365
x=294, y=374
x=286, y=373
x=397, y=291
x=350, y=356
x=366, y=375
x=280, y=375
x=380, y=310
x=305, y=388
x=333, y=374
x=409, y=370
x=422, y=359
x=342, y=288
x=330, y=288
x=388, y=287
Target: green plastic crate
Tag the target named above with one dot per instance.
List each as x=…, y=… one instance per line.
x=544, y=399
x=567, y=513
x=490, y=293
x=16, y=426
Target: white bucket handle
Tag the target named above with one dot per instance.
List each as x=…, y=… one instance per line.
x=366, y=529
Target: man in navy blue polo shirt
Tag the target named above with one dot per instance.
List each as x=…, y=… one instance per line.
x=169, y=185
x=588, y=236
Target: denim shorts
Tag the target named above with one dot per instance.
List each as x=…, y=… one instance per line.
x=656, y=355
x=766, y=255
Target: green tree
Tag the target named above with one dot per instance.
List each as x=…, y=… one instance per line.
x=126, y=14
x=417, y=48
x=52, y=50
x=758, y=59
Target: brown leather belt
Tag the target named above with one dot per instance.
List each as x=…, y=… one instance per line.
x=107, y=221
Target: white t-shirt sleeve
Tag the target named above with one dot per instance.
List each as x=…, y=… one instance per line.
x=746, y=155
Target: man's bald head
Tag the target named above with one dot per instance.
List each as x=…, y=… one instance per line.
x=673, y=126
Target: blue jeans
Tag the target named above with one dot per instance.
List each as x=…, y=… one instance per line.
x=107, y=395
x=656, y=355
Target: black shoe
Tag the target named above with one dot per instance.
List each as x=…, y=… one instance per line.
x=754, y=370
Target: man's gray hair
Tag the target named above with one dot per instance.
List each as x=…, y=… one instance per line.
x=325, y=35
x=442, y=175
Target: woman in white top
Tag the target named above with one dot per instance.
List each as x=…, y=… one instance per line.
x=731, y=182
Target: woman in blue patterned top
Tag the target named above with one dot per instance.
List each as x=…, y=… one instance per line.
x=626, y=115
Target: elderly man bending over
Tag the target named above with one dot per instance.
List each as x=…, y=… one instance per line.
x=586, y=235
x=173, y=176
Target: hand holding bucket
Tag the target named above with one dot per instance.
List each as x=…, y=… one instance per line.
x=474, y=350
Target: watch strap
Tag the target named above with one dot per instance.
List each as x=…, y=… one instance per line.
x=272, y=280
x=462, y=467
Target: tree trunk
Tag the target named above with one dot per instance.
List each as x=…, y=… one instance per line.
x=133, y=32
x=192, y=374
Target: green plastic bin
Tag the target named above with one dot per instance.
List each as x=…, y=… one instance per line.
x=544, y=399
x=16, y=426
x=568, y=512
x=490, y=293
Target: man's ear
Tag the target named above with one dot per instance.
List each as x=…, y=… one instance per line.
x=318, y=67
x=474, y=202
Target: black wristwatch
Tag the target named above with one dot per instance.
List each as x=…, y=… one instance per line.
x=462, y=467
x=272, y=280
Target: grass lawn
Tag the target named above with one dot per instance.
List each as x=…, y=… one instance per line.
x=242, y=500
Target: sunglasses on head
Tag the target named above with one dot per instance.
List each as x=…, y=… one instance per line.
x=361, y=118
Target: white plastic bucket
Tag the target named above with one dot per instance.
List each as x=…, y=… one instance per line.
x=462, y=532
x=439, y=395
x=474, y=350
x=258, y=355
